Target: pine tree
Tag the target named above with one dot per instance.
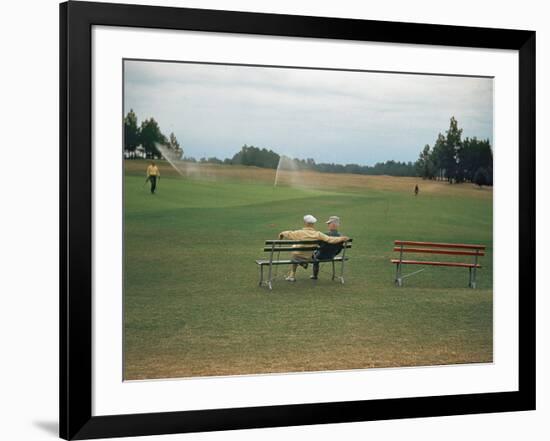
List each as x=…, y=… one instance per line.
x=131, y=132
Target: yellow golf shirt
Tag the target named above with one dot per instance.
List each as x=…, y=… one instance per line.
x=308, y=233
x=153, y=170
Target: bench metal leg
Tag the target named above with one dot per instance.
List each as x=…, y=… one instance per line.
x=398, y=278
x=343, y=262
x=269, y=277
x=266, y=282
x=270, y=274
x=475, y=270
x=261, y=275
x=262, y=281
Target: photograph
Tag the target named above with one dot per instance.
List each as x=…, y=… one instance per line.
x=284, y=219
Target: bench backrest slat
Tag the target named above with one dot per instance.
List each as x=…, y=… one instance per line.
x=440, y=251
x=440, y=245
x=296, y=242
x=298, y=248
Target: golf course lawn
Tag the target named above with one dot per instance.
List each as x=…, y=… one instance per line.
x=192, y=302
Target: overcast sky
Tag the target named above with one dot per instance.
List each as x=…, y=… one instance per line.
x=331, y=116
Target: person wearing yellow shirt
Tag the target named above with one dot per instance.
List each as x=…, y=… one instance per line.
x=153, y=174
x=307, y=233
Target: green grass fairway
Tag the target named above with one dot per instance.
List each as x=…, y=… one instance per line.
x=192, y=302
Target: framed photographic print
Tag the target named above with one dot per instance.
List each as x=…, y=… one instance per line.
x=273, y=220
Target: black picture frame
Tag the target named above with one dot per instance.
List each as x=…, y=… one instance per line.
x=76, y=21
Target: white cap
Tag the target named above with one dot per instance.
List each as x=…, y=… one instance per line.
x=309, y=219
x=333, y=220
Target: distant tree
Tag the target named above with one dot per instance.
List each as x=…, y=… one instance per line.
x=250, y=155
x=454, y=142
x=457, y=159
x=474, y=155
x=424, y=165
x=391, y=168
x=452, y=146
x=481, y=177
x=445, y=153
x=131, y=132
x=174, y=145
x=212, y=160
x=173, y=142
x=150, y=136
x=469, y=158
x=310, y=163
x=438, y=156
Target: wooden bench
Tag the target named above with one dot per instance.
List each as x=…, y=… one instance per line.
x=450, y=249
x=276, y=247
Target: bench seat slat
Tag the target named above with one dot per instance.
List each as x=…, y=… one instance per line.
x=440, y=251
x=289, y=261
x=283, y=249
x=440, y=245
x=426, y=262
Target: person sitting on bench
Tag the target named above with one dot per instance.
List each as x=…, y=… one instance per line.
x=327, y=250
x=307, y=233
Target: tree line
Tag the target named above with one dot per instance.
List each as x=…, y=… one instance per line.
x=455, y=159
x=451, y=158
x=147, y=135
x=262, y=157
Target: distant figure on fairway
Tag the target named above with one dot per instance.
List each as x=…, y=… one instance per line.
x=153, y=174
x=307, y=233
x=327, y=250
x=416, y=190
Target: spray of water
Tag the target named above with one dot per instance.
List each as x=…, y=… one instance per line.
x=288, y=173
x=184, y=168
x=172, y=157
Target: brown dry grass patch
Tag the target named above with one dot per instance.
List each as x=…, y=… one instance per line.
x=313, y=179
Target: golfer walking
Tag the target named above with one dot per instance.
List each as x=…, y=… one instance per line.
x=153, y=174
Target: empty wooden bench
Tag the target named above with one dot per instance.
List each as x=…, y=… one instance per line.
x=276, y=247
x=450, y=249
